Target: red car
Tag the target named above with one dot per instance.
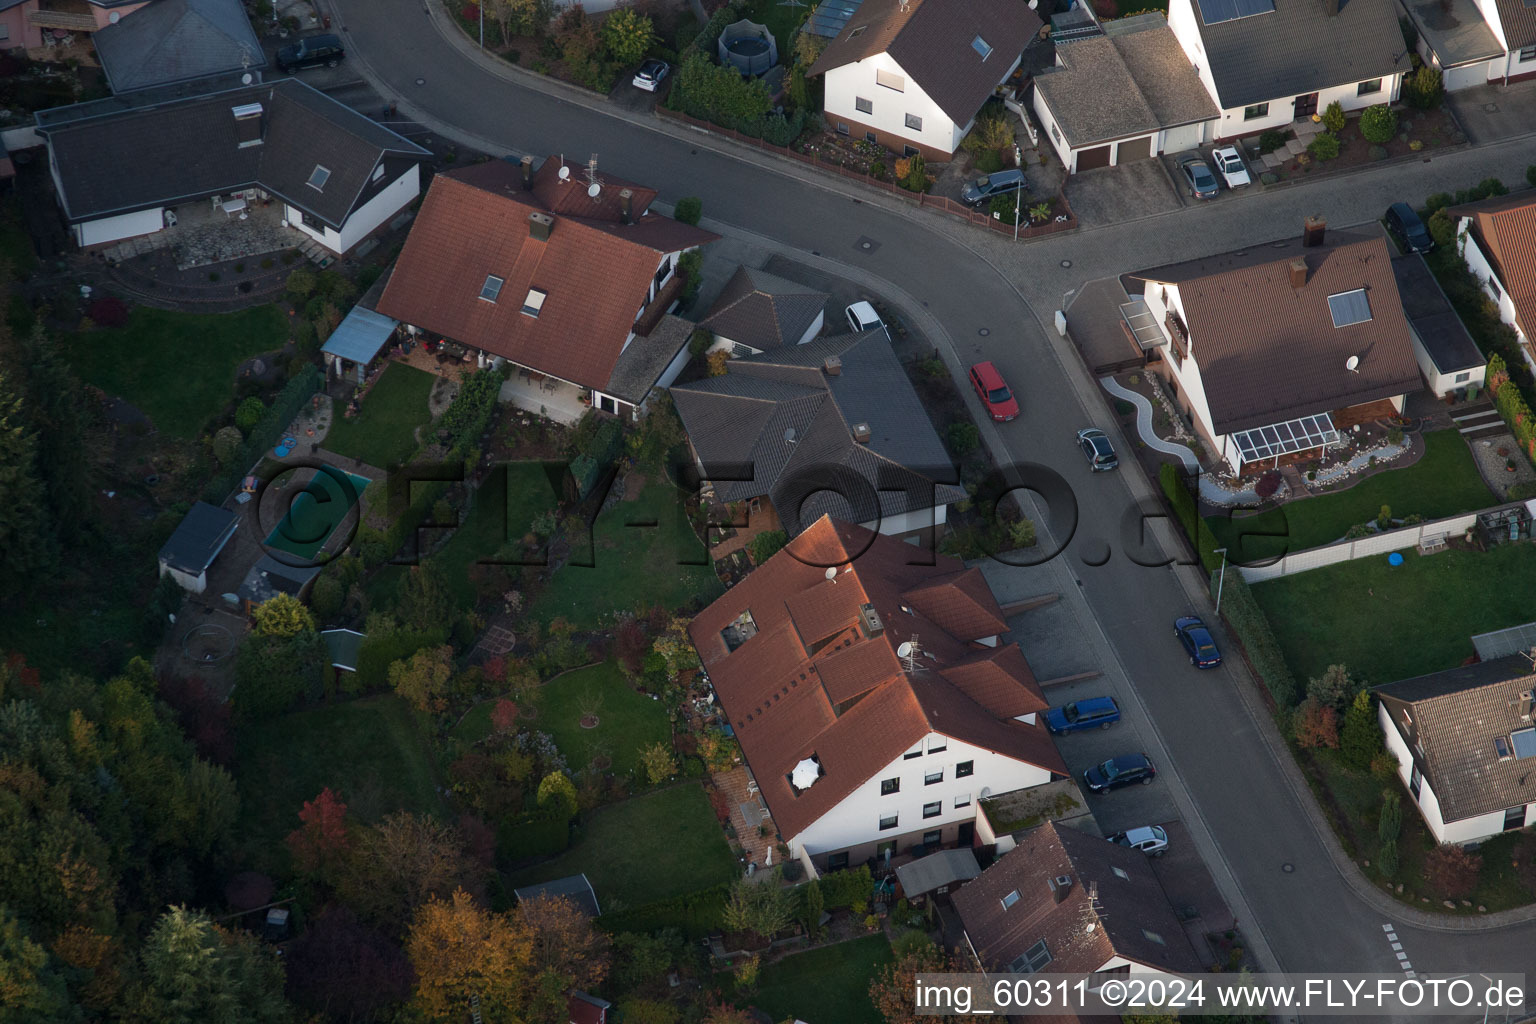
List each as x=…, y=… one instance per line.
x=989, y=384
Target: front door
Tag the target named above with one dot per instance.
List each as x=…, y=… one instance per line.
x=1306, y=105
x=966, y=833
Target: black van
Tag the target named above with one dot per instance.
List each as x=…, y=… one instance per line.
x=310, y=53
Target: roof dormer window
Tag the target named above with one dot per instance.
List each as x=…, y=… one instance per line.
x=533, y=303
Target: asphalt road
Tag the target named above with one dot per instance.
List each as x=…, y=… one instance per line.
x=994, y=300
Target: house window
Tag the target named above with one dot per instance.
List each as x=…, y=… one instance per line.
x=982, y=47
x=934, y=838
x=909, y=151
x=1514, y=817
x=318, y=177
x=5, y=31
x=933, y=778
x=863, y=105
x=491, y=288
x=1367, y=88
x=871, y=137
x=378, y=172
x=1256, y=111
x=1054, y=133
x=837, y=861
x=1010, y=899
x=1495, y=290
x=1528, y=54
x=933, y=810
x=1462, y=378
x=310, y=221
x=965, y=769
x=889, y=786
x=914, y=122
x=963, y=800
x=915, y=752
x=1415, y=782
x=533, y=303
x=1501, y=748
x=938, y=745
x=888, y=822
x=1033, y=959
x=842, y=129
x=890, y=81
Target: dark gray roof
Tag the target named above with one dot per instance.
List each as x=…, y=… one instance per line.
x=1519, y=21
x=575, y=888
x=108, y=165
x=1123, y=85
x=1444, y=336
x=199, y=538
x=1454, y=716
x=742, y=418
x=269, y=577
x=646, y=356
x=763, y=310
x=176, y=40
x=1455, y=30
x=1297, y=48
x=945, y=867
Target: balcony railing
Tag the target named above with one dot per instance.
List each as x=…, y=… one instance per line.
x=68, y=20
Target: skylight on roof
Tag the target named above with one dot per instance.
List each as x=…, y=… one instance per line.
x=1349, y=308
x=1154, y=937
x=491, y=288
x=534, y=302
x=857, y=32
x=1010, y=899
x=1501, y=748
x=319, y=177
x=982, y=47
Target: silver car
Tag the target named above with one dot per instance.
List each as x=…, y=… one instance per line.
x=1151, y=840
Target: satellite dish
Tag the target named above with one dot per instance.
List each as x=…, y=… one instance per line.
x=246, y=78
x=904, y=651
x=831, y=572
x=115, y=17
x=1352, y=363
x=565, y=173
x=594, y=190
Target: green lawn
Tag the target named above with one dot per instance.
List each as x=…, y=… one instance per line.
x=649, y=848
x=1444, y=482
x=370, y=752
x=503, y=513
x=1389, y=623
x=636, y=557
x=829, y=984
x=628, y=721
x=383, y=434
x=179, y=368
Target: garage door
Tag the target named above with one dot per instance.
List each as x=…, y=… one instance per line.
x=1088, y=159
x=1466, y=77
x=1187, y=136
x=1136, y=149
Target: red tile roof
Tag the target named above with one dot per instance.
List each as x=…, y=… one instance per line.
x=1506, y=229
x=815, y=680
x=596, y=271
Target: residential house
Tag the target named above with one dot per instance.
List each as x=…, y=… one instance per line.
x=59, y=25
x=1267, y=63
x=194, y=545
x=1448, y=357
x=910, y=75
x=174, y=41
x=1497, y=237
x=1069, y=902
x=565, y=273
x=1465, y=745
x=832, y=427
x=1274, y=349
x=338, y=175
x=1475, y=42
x=873, y=699
x=759, y=311
x=1128, y=94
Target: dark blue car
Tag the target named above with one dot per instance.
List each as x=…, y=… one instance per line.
x=1407, y=229
x=1198, y=642
x=1093, y=713
x=1125, y=770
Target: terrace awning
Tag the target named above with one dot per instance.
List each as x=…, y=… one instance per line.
x=359, y=337
x=1284, y=438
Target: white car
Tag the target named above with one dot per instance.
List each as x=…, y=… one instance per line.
x=1229, y=164
x=862, y=317
x=1150, y=839
x=650, y=75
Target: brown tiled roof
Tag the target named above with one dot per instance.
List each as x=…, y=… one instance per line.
x=852, y=703
x=1519, y=23
x=931, y=40
x=1455, y=716
x=1505, y=228
x=1080, y=936
x=762, y=310
x=1269, y=352
x=595, y=270
x=961, y=603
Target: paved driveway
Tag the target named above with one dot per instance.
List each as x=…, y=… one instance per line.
x=1110, y=195
x=1491, y=112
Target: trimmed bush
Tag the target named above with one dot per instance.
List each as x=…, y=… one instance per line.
x=541, y=833
x=1333, y=117
x=840, y=889
x=1378, y=124
x=695, y=914
x=1424, y=89
x=249, y=413
x=1324, y=146
x=1440, y=200
x=1441, y=227
x=688, y=210
x=1488, y=188
x=1246, y=619
x=1187, y=512
x=988, y=161
x=1271, y=140
x=377, y=652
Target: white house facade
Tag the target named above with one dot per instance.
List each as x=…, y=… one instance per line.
x=1482, y=268
x=878, y=100
x=364, y=220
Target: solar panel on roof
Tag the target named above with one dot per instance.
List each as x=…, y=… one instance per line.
x=1349, y=308
x=1217, y=11
x=1525, y=742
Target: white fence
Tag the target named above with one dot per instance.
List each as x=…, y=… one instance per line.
x=1347, y=550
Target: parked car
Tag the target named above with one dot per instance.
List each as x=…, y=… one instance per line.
x=1407, y=229
x=1198, y=176
x=1198, y=642
x=1125, y=770
x=862, y=317
x=1149, y=839
x=989, y=384
x=1093, y=713
x=314, y=52
x=984, y=188
x=1229, y=164
x=1095, y=445
x=650, y=74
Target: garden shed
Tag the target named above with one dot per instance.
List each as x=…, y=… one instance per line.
x=937, y=874
x=198, y=539
x=575, y=888
x=357, y=341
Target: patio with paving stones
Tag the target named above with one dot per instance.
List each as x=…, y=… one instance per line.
x=204, y=235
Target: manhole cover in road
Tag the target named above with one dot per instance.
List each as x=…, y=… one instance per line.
x=865, y=244
x=984, y=331
x=421, y=81
x=1288, y=867
x=1491, y=108
x=1066, y=263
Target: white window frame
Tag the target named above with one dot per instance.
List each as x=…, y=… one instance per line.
x=533, y=305
x=863, y=106
x=493, y=285
x=1368, y=88
x=1254, y=111
x=913, y=122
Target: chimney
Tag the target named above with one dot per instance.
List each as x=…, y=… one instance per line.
x=527, y=165
x=1527, y=699
x=861, y=433
x=1061, y=887
x=833, y=366
x=627, y=206
x=1298, y=273
x=248, y=126
x=1313, y=230
x=540, y=225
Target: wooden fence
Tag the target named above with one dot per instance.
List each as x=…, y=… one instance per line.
x=942, y=204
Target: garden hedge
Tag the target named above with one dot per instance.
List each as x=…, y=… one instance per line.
x=265, y=434
x=1188, y=512
x=531, y=836
x=840, y=889
x=1246, y=619
x=376, y=653
x=695, y=914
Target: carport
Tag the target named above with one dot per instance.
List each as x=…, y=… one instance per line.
x=358, y=340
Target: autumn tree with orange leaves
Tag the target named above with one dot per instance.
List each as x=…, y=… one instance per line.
x=458, y=949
